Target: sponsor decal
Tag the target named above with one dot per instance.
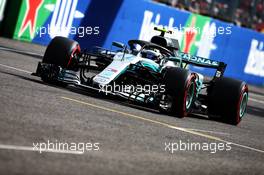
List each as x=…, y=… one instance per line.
x=112, y=70
x=2, y=8
x=100, y=79
x=196, y=36
x=197, y=59
x=35, y=13
x=206, y=44
x=64, y=12
x=108, y=72
x=255, y=60
x=199, y=34
x=30, y=17
x=147, y=28
x=190, y=36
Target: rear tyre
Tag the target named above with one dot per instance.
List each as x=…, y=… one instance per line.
x=61, y=52
x=180, y=92
x=228, y=99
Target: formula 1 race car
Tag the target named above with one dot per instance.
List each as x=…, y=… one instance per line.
x=153, y=73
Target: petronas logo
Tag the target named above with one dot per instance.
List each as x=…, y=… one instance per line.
x=64, y=12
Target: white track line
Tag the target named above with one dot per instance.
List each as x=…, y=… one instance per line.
x=21, y=51
x=189, y=131
x=246, y=147
x=207, y=131
x=28, y=148
x=17, y=69
x=256, y=95
x=255, y=100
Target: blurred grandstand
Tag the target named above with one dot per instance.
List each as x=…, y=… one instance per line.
x=246, y=13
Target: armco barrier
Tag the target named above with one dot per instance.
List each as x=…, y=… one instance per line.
x=121, y=20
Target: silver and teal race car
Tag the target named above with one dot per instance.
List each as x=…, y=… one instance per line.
x=152, y=73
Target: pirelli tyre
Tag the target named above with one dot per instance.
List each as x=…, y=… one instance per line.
x=180, y=91
x=61, y=52
x=228, y=99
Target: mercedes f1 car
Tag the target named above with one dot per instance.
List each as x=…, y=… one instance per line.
x=154, y=73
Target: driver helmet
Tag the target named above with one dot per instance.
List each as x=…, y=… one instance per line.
x=151, y=54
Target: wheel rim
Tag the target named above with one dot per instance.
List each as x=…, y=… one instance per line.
x=189, y=96
x=243, y=104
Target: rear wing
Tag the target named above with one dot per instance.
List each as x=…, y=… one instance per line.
x=202, y=62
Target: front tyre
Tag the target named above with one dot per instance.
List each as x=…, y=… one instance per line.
x=180, y=91
x=61, y=52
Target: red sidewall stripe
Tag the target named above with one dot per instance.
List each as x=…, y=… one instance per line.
x=244, y=89
x=187, y=86
x=77, y=49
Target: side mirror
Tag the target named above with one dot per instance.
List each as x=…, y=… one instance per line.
x=119, y=45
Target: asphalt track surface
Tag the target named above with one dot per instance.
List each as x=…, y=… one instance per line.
x=131, y=139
